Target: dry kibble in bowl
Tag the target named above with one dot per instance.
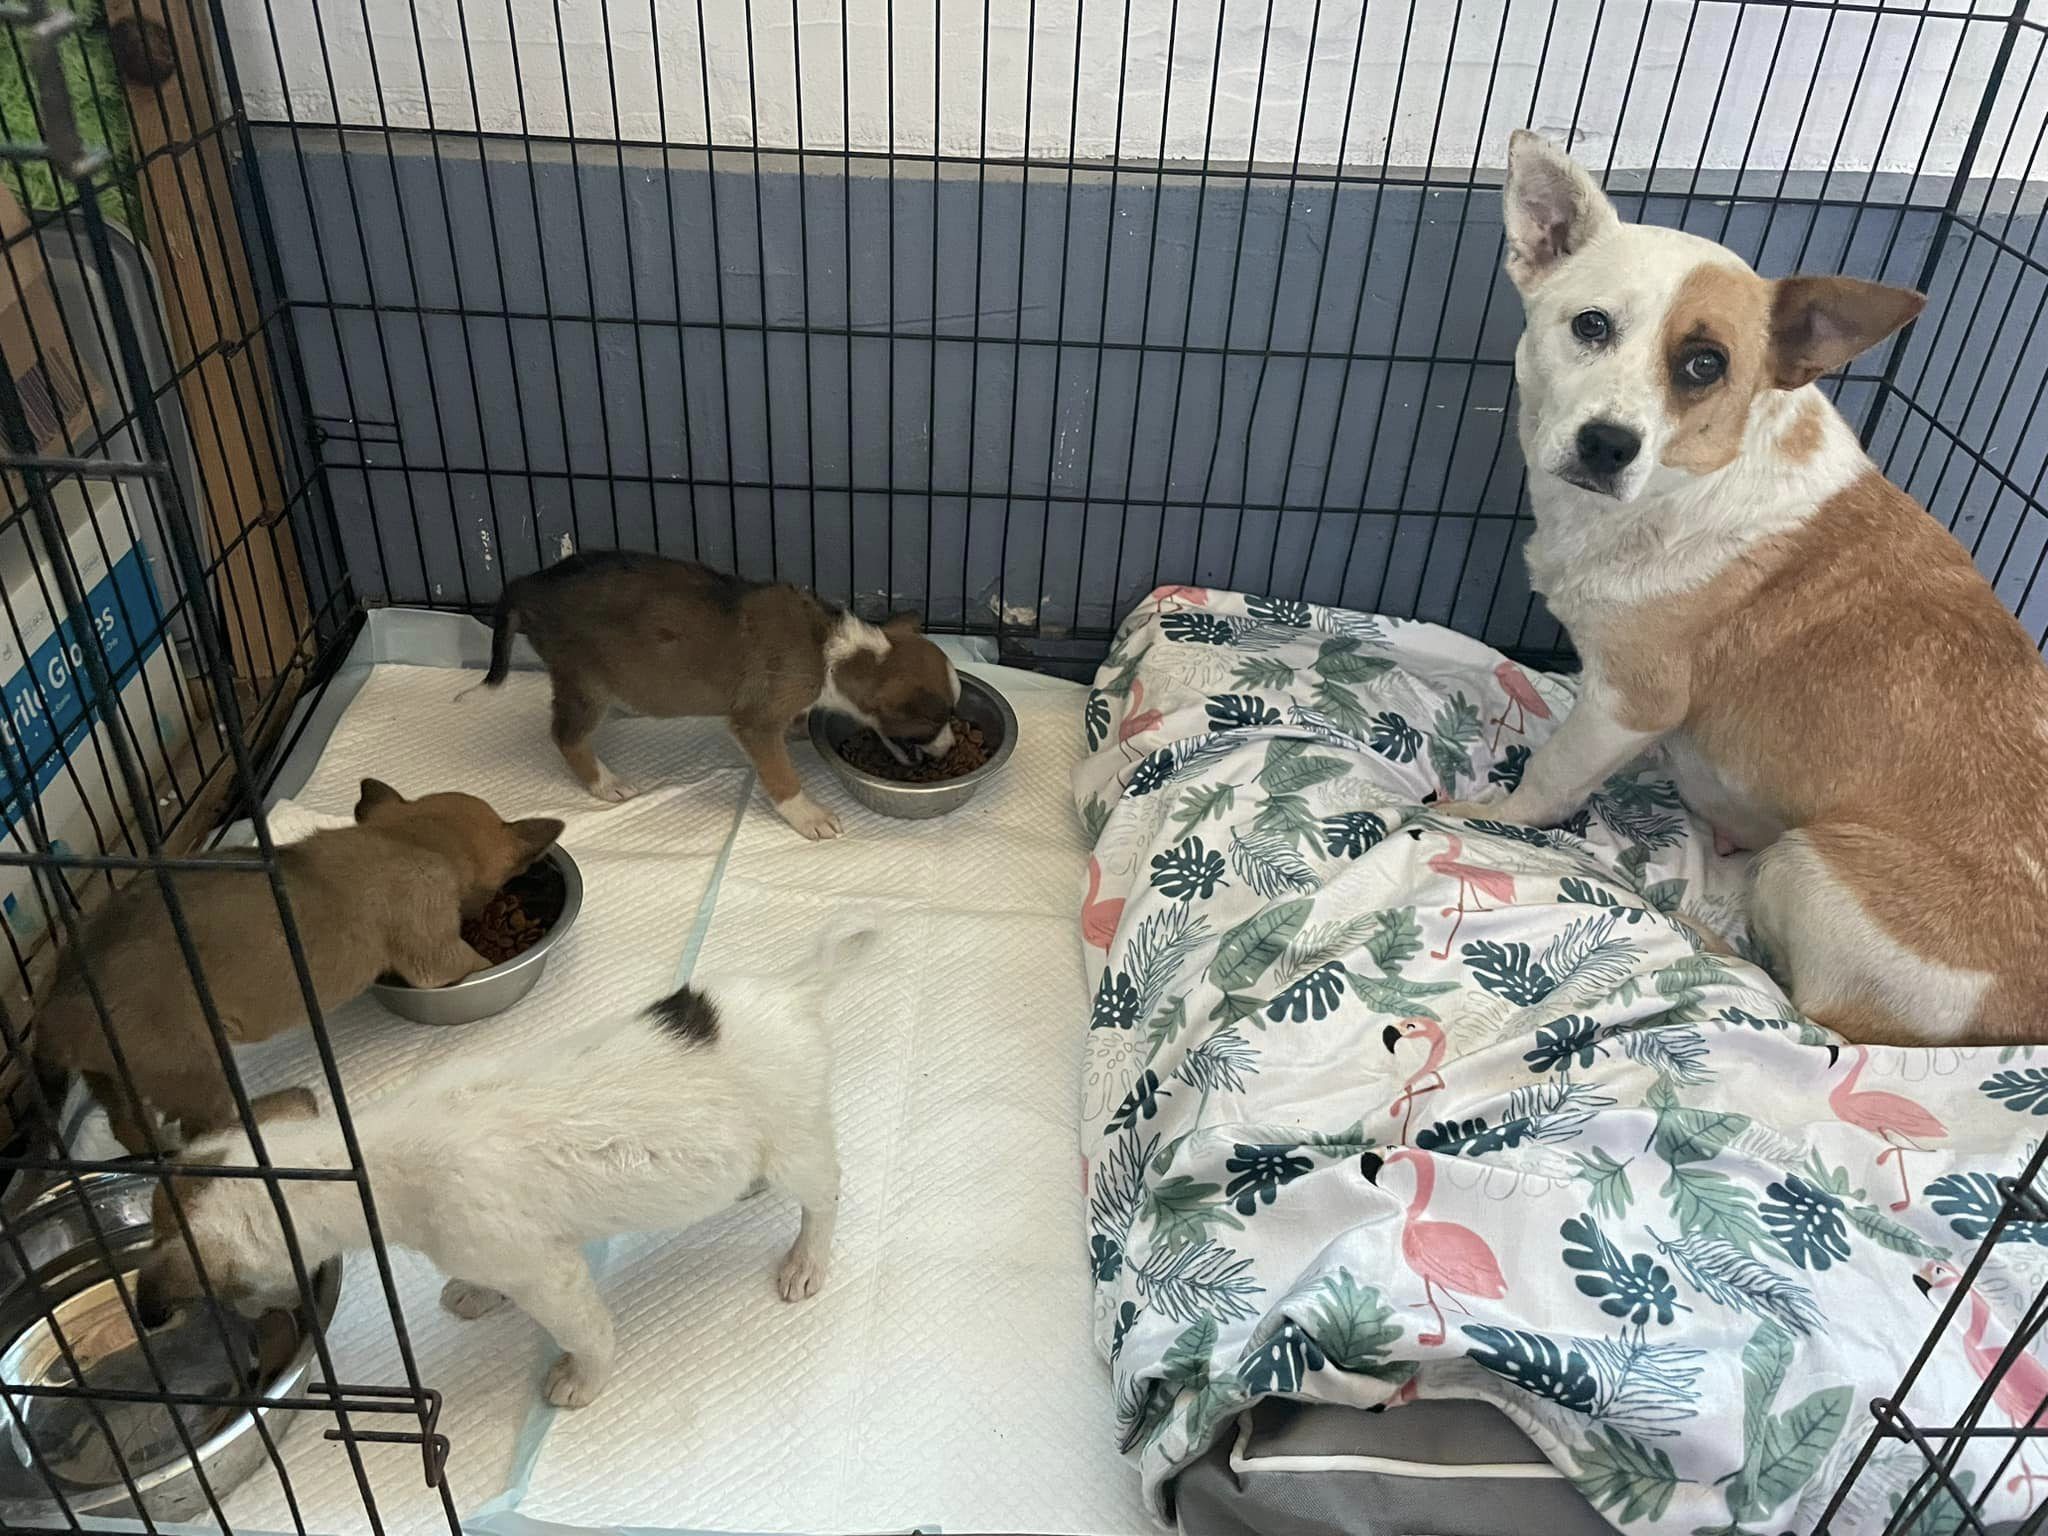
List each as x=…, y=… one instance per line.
x=870, y=754
x=516, y=919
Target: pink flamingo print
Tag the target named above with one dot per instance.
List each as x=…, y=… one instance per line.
x=2023, y=1387
x=1450, y=1259
x=1180, y=597
x=1427, y=1078
x=1099, y=919
x=1892, y=1118
x=1137, y=721
x=1524, y=702
x=1472, y=879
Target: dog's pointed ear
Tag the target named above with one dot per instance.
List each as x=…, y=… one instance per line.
x=285, y=1104
x=536, y=835
x=902, y=624
x=1551, y=208
x=1819, y=323
x=373, y=794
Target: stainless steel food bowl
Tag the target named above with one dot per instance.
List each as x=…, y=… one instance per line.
x=979, y=705
x=495, y=990
x=200, y=1352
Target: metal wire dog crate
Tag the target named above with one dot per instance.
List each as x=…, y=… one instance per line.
x=1007, y=310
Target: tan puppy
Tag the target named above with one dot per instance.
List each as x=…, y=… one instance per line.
x=1835, y=682
x=388, y=894
x=668, y=638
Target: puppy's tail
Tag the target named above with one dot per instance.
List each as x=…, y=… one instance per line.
x=504, y=627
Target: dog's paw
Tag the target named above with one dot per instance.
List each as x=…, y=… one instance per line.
x=466, y=1300
x=572, y=1383
x=810, y=819
x=802, y=1275
x=611, y=788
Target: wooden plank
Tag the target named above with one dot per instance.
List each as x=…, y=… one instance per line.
x=212, y=315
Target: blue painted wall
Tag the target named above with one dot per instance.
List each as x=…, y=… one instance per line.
x=1077, y=387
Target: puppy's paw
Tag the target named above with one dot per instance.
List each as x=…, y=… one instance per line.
x=573, y=1383
x=810, y=819
x=611, y=788
x=802, y=1275
x=467, y=1300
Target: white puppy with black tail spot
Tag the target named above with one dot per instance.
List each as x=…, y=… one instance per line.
x=500, y=1168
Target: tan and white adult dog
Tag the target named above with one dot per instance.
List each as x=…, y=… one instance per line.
x=1834, y=681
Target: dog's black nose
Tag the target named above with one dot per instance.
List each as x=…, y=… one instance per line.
x=1607, y=449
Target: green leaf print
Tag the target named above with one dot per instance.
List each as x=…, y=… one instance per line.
x=1606, y=1181
x=1094, y=817
x=1186, y=1361
x=1354, y=1328
x=1342, y=707
x=1249, y=949
x=1886, y=1233
x=1341, y=661
x=1728, y=1277
x=1293, y=774
x=2023, y=1090
x=1327, y=941
x=1451, y=735
x=1941, y=1516
x=1288, y=818
x=1686, y=1135
x=1790, y=1452
x=1263, y=672
x=1198, y=804
x=1219, y=1397
x=1618, y=1473
x=1534, y=1363
x=1202, y=1279
x=1766, y=1360
x=1184, y=1211
x=1710, y=1204
x=1270, y=865
x=1665, y=895
x=1397, y=939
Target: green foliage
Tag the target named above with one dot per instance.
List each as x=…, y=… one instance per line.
x=1354, y=1328
x=1185, y=1211
x=1623, y=1477
x=1606, y=1182
x=1249, y=949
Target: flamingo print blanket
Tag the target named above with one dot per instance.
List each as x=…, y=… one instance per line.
x=1380, y=1105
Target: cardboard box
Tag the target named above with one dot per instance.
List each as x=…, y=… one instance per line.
x=58, y=399
x=53, y=752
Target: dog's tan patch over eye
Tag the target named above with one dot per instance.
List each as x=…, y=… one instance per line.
x=1714, y=339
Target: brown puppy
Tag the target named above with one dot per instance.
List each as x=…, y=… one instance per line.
x=667, y=638
x=388, y=894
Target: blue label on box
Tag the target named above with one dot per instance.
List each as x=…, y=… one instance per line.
x=44, y=726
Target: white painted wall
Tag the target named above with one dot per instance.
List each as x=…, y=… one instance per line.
x=1678, y=82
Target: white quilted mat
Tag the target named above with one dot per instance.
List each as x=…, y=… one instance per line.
x=646, y=868
x=944, y=1376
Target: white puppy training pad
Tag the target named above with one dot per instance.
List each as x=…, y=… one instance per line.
x=646, y=867
x=944, y=1375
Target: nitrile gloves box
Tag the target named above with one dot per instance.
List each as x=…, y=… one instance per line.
x=53, y=753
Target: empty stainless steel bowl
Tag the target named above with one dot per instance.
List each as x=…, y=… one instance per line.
x=52, y=1268
x=495, y=990
x=979, y=705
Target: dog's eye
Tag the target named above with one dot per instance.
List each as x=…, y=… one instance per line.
x=1592, y=325
x=1704, y=367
